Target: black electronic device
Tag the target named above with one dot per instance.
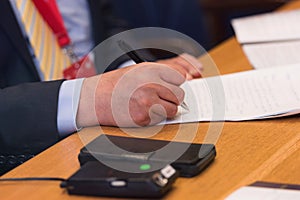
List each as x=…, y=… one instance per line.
x=97, y=179
x=191, y=158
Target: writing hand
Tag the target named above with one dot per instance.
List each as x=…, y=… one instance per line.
x=139, y=95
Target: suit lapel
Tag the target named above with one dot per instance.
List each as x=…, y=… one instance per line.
x=10, y=25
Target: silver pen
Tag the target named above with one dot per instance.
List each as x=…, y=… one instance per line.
x=184, y=106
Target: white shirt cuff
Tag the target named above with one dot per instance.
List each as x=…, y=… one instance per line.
x=126, y=64
x=68, y=101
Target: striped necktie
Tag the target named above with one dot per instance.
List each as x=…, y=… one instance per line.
x=51, y=57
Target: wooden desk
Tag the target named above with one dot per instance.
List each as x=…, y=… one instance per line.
x=288, y=171
x=246, y=151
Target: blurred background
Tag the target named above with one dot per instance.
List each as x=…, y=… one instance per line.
x=206, y=21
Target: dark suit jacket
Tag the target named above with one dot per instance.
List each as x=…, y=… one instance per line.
x=28, y=107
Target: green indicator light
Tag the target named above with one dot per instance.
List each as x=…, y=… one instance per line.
x=145, y=167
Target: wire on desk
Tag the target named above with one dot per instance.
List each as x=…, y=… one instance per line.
x=32, y=179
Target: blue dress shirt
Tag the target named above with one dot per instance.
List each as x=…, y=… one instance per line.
x=69, y=93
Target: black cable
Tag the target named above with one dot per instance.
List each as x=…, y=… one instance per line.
x=33, y=179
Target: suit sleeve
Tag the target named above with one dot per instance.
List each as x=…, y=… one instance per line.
x=29, y=117
x=105, y=24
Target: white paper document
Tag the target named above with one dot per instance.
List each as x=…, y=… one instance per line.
x=249, y=95
x=266, y=191
x=266, y=55
x=270, y=40
x=279, y=26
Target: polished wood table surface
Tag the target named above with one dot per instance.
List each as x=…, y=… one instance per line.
x=267, y=150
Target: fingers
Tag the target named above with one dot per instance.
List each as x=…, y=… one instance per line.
x=171, y=75
x=191, y=64
x=185, y=64
x=197, y=66
x=156, y=103
x=155, y=114
x=164, y=109
x=174, y=65
x=170, y=93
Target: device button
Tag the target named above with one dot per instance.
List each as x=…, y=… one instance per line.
x=118, y=183
x=168, y=171
x=159, y=180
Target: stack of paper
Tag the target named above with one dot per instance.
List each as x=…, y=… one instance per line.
x=255, y=94
x=266, y=191
x=270, y=40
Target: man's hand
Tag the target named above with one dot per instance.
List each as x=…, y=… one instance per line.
x=143, y=94
x=186, y=64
